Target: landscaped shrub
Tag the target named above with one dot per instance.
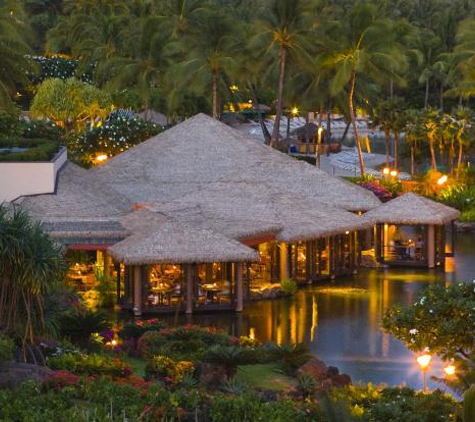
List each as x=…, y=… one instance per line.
x=10, y=126
x=135, y=329
x=37, y=150
x=288, y=286
x=380, y=191
x=230, y=357
x=113, y=137
x=78, y=324
x=92, y=364
x=289, y=356
x=165, y=368
x=187, y=343
x=397, y=404
x=7, y=348
x=250, y=407
x=59, y=67
x=468, y=216
x=460, y=197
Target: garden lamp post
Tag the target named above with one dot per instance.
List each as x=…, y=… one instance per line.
x=424, y=361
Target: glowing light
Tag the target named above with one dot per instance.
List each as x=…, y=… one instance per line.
x=294, y=111
x=442, y=180
x=449, y=370
x=424, y=361
x=347, y=232
x=114, y=343
x=252, y=334
x=101, y=158
x=393, y=173
x=386, y=171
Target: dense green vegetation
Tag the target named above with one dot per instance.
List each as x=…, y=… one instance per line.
x=398, y=61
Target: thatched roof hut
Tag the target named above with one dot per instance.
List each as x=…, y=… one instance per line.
x=411, y=209
x=175, y=242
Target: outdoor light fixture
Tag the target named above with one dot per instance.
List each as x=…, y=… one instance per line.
x=101, y=158
x=393, y=173
x=449, y=370
x=294, y=111
x=386, y=171
x=424, y=361
x=442, y=180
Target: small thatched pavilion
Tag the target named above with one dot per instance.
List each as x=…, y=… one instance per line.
x=171, y=242
x=411, y=231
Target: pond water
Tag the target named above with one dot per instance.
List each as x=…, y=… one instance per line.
x=340, y=321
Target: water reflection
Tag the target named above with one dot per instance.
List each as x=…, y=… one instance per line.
x=341, y=321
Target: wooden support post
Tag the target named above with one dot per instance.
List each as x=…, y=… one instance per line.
x=284, y=261
x=431, y=246
x=107, y=264
x=189, y=288
x=239, y=287
x=118, y=281
x=137, y=290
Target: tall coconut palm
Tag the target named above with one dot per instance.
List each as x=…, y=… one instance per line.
x=142, y=66
x=14, y=49
x=281, y=33
x=209, y=51
x=363, y=48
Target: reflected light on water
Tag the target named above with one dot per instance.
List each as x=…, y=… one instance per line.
x=340, y=320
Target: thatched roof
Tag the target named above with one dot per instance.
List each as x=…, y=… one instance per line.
x=203, y=186
x=82, y=210
x=78, y=196
x=244, y=210
x=308, y=130
x=175, y=242
x=413, y=209
x=202, y=150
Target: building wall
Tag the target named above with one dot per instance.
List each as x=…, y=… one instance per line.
x=29, y=178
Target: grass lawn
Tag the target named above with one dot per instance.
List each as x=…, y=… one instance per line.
x=265, y=376
x=138, y=366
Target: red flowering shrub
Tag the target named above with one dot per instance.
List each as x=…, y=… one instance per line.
x=60, y=379
x=380, y=191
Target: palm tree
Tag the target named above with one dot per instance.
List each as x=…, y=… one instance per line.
x=14, y=49
x=142, y=66
x=281, y=32
x=209, y=51
x=31, y=266
x=363, y=45
x=431, y=122
x=180, y=16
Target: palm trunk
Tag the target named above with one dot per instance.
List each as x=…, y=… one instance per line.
x=426, y=99
x=459, y=158
x=353, y=121
x=432, y=153
x=391, y=89
x=329, y=119
x=441, y=97
x=396, y=149
x=215, y=95
x=280, y=96
x=412, y=160
x=387, y=141
x=265, y=131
